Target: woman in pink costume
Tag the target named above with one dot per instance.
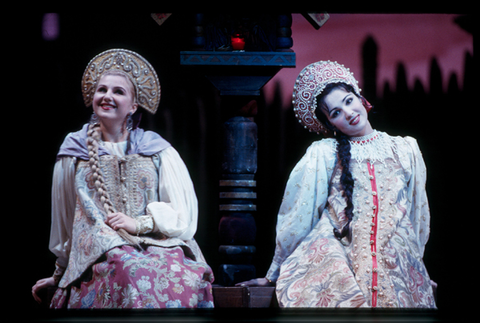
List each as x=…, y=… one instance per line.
x=124, y=209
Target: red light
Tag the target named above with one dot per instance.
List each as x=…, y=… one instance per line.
x=238, y=43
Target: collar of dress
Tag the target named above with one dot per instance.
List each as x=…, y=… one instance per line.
x=376, y=146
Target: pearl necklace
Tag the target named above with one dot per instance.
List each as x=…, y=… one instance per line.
x=363, y=139
x=376, y=146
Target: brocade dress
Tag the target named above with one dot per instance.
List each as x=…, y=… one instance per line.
x=382, y=265
x=147, y=180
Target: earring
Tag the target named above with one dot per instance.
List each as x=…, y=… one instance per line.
x=334, y=133
x=94, y=119
x=129, y=125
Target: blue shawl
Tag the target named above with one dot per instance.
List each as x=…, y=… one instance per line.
x=146, y=143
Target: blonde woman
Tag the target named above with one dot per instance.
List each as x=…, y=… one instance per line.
x=124, y=209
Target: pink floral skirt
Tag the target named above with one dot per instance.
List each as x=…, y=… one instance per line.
x=153, y=278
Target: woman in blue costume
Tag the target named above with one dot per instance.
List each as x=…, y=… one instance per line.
x=354, y=220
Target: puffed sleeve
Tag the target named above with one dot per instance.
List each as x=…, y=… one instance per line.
x=303, y=202
x=176, y=212
x=63, y=208
x=420, y=211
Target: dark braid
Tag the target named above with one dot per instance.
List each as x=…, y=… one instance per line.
x=346, y=179
x=343, y=152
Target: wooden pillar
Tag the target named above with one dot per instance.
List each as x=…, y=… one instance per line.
x=239, y=77
x=237, y=187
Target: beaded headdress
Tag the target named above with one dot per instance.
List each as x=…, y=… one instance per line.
x=310, y=83
x=134, y=66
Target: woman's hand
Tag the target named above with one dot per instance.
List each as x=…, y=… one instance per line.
x=256, y=282
x=121, y=221
x=41, y=284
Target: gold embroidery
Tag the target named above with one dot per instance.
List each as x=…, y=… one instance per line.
x=131, y=182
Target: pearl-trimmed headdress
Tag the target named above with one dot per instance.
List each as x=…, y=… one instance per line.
x=310, y=83
x=137, y=68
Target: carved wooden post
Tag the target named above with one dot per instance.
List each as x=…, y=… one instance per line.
x=239, y=75
x=237, y=228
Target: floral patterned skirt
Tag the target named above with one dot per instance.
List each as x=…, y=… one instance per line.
x=154, y=278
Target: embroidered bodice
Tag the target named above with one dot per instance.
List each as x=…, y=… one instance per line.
x=155, y=190
x=389, y=229
x=131, y=182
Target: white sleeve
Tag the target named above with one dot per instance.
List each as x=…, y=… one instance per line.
x=63, y=208
x=303, y=202
x=176, y=212
x=420, y=211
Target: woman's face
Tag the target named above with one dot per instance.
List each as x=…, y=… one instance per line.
x=347, y=113
x=114, y=99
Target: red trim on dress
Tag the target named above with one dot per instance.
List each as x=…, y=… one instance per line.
x=373, y=233
x=365, y=141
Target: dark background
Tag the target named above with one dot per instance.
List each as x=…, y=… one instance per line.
x=47, y=104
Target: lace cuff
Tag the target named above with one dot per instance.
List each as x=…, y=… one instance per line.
x=144, y=224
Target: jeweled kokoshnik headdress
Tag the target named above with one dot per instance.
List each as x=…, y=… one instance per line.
x=310, y=83
x=134, y=66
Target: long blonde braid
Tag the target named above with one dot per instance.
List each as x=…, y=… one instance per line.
x=93, y=137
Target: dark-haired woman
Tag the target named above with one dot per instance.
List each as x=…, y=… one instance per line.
x=354, y=220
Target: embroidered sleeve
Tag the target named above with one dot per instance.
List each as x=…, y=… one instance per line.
x=304, y=199
x=419, y=211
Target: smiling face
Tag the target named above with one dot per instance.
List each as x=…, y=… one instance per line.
x=345, y=111
x=114, y=99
